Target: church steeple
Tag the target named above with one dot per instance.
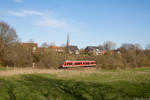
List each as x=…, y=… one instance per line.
x=68, y=41
x=67, y=44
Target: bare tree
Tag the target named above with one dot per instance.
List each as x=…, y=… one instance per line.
x=8, y=36
x=44, y=45
x=148, y=46
x=109, y=45
x=31, y=41
x=63, y=45
x=101, y=47
x=12, y=53
x=137, y=46
x=127, y=46
x=52, y=44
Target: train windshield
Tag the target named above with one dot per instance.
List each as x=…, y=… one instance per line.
x=63, y=62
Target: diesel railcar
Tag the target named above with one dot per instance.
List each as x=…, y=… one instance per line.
x=69, y=64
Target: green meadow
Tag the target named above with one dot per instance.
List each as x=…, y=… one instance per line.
x=128, y=84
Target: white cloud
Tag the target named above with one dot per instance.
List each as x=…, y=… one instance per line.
x=25, y=13
x=51, y=22
x=44, y=19
x=18, y=1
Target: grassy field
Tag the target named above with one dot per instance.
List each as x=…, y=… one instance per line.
x=35, y=84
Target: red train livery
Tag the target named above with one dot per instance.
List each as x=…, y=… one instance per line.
x=67, y=64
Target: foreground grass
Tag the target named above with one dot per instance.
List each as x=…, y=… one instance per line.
x=128, y=84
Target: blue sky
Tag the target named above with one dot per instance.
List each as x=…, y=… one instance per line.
x=88, y=22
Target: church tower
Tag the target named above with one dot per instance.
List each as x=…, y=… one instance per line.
x=67, y=44
x=68, y=41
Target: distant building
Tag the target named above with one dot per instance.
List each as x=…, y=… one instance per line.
x=57, y=49
x=73, y=49
x=117, y=52
x=95, y=50
x=32, y=46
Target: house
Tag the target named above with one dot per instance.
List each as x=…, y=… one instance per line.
x=57, y=49
x=117, y=52
x=32, y=46
x=95, y=50
x=73, y=49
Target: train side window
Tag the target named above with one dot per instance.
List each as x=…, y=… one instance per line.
x=69, y=63
x=77, y=63
x=87, y=62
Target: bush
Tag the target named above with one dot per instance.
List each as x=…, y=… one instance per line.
x=109, y=61
x=17, y=56
x=50, y=60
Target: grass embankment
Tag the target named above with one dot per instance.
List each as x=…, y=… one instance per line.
x=78, y=85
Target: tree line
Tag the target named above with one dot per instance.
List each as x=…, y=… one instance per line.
x=14, y=54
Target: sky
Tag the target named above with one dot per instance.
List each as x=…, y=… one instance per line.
x=88, y=22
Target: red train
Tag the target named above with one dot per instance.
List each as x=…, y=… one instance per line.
x=67, y=64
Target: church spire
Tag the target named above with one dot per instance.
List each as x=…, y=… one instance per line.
x=68, y=41
x=67, y=44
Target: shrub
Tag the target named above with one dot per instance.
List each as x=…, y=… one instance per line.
x=17, y=56
x=50, y=60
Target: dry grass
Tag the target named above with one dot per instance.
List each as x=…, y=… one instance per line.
x=85, y=74
x=17, y=71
